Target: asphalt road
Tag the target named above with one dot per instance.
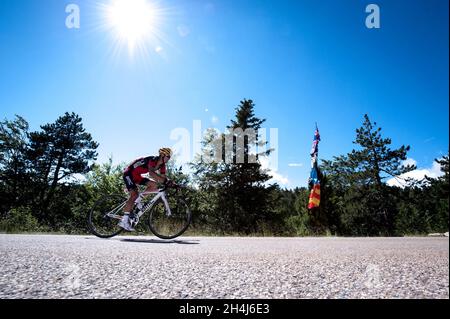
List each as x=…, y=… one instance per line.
x=50, y=266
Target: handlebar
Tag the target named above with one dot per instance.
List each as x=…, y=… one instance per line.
x=172, y=184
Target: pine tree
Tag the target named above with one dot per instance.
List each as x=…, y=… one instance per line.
x=366, y=204
x=247, y=179
x=57, y=152
x=236, y=184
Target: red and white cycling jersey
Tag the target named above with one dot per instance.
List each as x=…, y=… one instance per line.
x=141, y=166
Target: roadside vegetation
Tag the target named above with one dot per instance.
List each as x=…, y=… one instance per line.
x=49, y=179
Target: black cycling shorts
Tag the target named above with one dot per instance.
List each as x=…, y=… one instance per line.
x=130, y=183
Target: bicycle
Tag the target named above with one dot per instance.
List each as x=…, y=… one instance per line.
x=169, y=216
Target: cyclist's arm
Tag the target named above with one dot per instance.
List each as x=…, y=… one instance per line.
x=157, y=177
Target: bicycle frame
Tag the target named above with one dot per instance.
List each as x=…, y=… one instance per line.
x=116, y=212
x=160, y=194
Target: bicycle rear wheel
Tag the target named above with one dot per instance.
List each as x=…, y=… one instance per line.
x=105, y=215
x=167, y=226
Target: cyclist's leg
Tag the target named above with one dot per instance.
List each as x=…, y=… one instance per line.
x=132, y=190
x=134, y=194
x=127, y=221
x=152, y=186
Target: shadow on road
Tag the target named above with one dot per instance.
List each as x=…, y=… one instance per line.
x=160, y=241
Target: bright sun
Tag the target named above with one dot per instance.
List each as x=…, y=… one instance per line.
x=134, y=21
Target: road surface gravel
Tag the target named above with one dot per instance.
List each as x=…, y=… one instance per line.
x=60, y=266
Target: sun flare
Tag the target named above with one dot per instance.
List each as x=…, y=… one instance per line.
x=134, y=22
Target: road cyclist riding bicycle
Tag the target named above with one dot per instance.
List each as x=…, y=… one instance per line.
x=155, y=167
x=163, y=202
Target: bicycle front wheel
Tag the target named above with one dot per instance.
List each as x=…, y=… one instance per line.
x=169, y=226
x=105, y=215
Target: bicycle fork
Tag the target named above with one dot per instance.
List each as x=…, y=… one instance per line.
x=166, y=204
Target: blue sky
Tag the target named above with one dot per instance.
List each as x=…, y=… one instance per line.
x=301, y=62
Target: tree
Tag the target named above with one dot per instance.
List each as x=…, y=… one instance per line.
x=105, y=179
x=437, y=197
x=365, y=203
x=13, y=168
x=248, y=190
x=424, y=206
x=211, y=182
x=58, y=152
x=236, y=182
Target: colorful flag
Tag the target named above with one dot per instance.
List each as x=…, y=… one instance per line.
x=314, y=197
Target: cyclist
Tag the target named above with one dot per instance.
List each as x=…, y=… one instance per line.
x=132, y=176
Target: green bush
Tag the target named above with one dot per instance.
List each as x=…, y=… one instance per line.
x=299, y=225
x=20, y=220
